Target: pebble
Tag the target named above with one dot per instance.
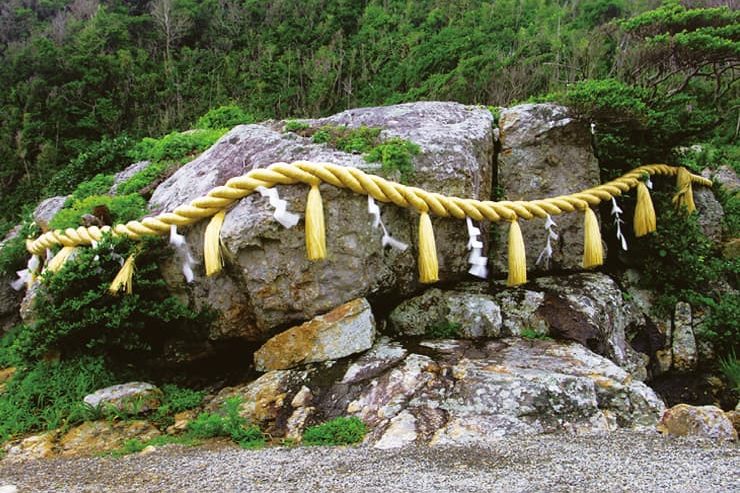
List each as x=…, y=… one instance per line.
x=618, y=462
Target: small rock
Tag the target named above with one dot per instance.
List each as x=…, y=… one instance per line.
x=132, y=397
x=296, y=423
x=149, y=449
x=302, y=398
x=401, y=432
x=725, y=176
x=95, y=437
x=127, y=173
x=182, y=419
x=8, y=489
x=348, y=329
x=34, y=447
x=684, y=343
x=6, y=374
x=734, y=417
x=463, y=315
x=46, y=210
x=697, y=421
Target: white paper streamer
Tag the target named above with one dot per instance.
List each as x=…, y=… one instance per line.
x=22, y=281
x=180, y=244
x=648, y=183
x=24, y=276
x=616, y=211
x=476, y=259
x=386, y=240
x=546, y=253
x=287, y=219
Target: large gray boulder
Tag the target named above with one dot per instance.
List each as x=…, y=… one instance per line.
x=47, y=209
x=545, y=152
x=267, y=281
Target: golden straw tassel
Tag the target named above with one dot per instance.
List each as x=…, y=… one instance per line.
x=593, y=250
x=684, y=196
x=57, y=262
x=428, y=265
x=644, y=221
x=125, y=277
x=315, y=228
x=212, y=244
x=517, y=256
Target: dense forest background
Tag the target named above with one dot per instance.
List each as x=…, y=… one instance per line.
x=81, y=81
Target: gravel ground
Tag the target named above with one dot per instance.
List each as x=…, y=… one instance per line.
x=551, y=463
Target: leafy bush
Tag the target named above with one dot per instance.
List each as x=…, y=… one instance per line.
x=13, y=253
x=295, y=126
x=730, y=367
x=76, y=313
x=122, y=208
x=142, y=179
x=395, y=155
x=444, y=330
x=48, y=395
x=176, y=399
x=227, y=424
x=337, y=431
x=176, y=145
x=106, y=156
x=224, y=117
x=532, y=334
x=97, y=185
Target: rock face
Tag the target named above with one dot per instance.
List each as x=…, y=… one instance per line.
x=131, y=397
x=127, y=173
x=448, y=313
x=454, y=391
x=684, y=344
x=710, y=213
x=725, y=176
x=33, y=447
x=267, y=281
x=588, y=308
x=95, y=437
x=46, y=211
x=348, y=329
x=702, y=421
x=545, y=152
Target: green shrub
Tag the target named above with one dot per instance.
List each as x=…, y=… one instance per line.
x=224, y=117
x=176, y=145
x=76, y=313
x=97, y=185
x=227, y=424
x=176, y=399
x=122, y=208
x=106, y=156
x=337, y=431
x=295, y=126
x=395, y=155
x=532, y=334
x=143, y=178
x=45, y=395
x=444, y=330
x=13, y=253
x=730, y=367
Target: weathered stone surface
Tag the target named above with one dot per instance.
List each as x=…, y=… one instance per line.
x=46, y=211
x=725, y=176
x=474, y=394
x=266, y=401
x=383, y=355
x=33, y=447
x=734, y=417
x=267, y=281
x=465, y=315
x=348, y=329
x=710, y=213
x=131, y=397
x=698, y=421
x=127, y=173
x=684, y=344
x=94, y=437
x=545, y=152
x=586, y=307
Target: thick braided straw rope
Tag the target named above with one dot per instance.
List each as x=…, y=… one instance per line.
x=220, y=198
